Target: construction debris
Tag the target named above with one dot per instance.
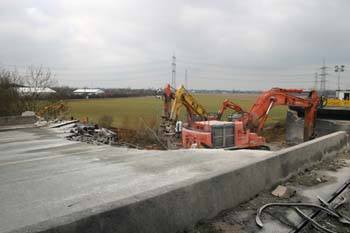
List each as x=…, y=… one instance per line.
x=92, y=134
x=325, y=209
x=63, y=123
x=283, y=192
x=326, y=206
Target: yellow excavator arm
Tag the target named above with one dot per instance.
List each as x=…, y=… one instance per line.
x=53, y=110
x=183, y=97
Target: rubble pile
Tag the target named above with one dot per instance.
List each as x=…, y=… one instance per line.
x=92, y=134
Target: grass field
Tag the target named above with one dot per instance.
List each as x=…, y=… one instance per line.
x=127, y=112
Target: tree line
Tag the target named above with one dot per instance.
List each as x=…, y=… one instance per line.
x=13, y=102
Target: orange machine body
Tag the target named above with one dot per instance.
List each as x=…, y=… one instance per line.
x=220, y=134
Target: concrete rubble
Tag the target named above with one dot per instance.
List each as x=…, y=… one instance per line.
x=92, y=134
x=77, y=131
x=283, y=192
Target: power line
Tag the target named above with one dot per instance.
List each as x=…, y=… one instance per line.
x=323, y=77
x=155, y=63
x=316, y=81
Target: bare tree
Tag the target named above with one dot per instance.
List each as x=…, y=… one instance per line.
x=13, y=100
x=37, y=80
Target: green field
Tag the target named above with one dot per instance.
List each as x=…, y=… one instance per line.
x=128, y=112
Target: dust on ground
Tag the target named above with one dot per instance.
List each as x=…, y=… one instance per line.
x=241, y=219
x=274, y=133
x=275, y=136
x=142, y=138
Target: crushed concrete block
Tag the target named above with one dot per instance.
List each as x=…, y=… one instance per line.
x=41, y=123
x=28, y=113
x=283, y=192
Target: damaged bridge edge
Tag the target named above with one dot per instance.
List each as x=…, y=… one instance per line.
x=173, y=209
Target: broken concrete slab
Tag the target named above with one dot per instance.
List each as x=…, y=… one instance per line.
x=49, y=184
x=63, y=123
x=295, y=127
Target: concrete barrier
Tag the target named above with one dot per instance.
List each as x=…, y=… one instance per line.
x=17, y=120
x=173, y=208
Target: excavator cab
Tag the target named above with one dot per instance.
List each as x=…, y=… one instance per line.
x=209, y=134
x=234, y=116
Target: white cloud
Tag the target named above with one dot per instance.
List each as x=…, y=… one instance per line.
x=221, y=43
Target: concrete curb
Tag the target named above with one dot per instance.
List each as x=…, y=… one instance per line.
x=175, y=207
x=17, y=127
x=17, y=120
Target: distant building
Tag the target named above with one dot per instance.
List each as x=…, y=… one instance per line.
x=88, y=92
x=37, y=90
x=343, y=94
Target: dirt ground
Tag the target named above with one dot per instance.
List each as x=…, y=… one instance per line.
x=241, y=219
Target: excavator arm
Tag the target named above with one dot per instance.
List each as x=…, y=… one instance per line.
x=183, y=97
x=168, y=96
x=173, y=101
x=228, y=104
x=258, y=114
x=53, y=110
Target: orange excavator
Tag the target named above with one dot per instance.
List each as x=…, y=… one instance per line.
x=244, y=131
x=229, y=104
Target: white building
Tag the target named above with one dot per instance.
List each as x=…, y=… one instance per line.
x=88, y=91
x=38, y=90
x=343, y=94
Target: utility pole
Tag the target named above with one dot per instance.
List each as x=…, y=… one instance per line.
x=339, y=69
x=186, y=83
x=323, y=77
x=316, y=81
x=173, y=73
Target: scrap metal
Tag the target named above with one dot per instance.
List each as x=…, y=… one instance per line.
x=326, y=207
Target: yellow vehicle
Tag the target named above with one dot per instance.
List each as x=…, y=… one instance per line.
x=58, y=109
x=341, y=100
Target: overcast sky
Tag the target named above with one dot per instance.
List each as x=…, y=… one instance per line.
x=228, y=44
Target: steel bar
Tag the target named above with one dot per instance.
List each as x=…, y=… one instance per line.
x=320, y=208
x=313, y=222
x=330, y=199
